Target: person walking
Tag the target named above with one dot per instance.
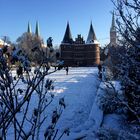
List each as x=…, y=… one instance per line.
x=100, y=71
x=19, y=71
x=67, y=69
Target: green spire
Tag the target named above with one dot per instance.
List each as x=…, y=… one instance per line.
x=29, y=28
x=37, y=32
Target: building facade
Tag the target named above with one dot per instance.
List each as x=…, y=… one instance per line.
x=78, y=52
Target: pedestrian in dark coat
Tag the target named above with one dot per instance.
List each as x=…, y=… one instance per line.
x=67, y=69
x=100, y=71
x=19, y=71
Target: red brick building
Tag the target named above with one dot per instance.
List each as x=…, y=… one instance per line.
x=79, y=52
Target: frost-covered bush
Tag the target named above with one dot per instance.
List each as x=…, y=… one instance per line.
x=127, y=66
x=105, y=133
x=24, y=101
x=110, y=100
x=108, y=74
x=109, y=103
x=125, y=135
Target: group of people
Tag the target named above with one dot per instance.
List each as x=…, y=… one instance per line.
x=20, y=70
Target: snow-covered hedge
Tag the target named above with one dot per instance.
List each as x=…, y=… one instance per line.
x=110, y=98
x=105, y=133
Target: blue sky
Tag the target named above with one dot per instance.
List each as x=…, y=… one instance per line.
x=53, y=15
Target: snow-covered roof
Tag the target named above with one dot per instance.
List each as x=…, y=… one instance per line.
x=92, y=42
x=3, y=43
x=91, y=39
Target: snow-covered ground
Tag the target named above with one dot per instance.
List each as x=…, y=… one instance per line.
x=79, y=89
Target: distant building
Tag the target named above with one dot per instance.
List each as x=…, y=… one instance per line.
x=2, y=43
x=39, y=40
x=107, y=54
x=79, y=52
x=113, y=33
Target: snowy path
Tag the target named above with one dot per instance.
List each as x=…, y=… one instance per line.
x=79, y=90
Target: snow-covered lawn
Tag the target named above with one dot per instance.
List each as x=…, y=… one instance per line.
x=83, y=93
x=79, y=89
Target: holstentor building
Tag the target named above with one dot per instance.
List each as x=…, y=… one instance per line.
x=79, y=52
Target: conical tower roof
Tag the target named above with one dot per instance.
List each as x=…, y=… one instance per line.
x=91, y=35
x=29, y=28
x=67, y=37
x=113, y=26
x=37, y=31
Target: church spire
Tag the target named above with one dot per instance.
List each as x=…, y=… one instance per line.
x=37, y=32
x=67, y=37
x=91, y=35
x=29, y=28
x=113, y=26
x=113, y=33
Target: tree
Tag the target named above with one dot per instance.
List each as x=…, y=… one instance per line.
x=127, y=65
x=32, y=47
